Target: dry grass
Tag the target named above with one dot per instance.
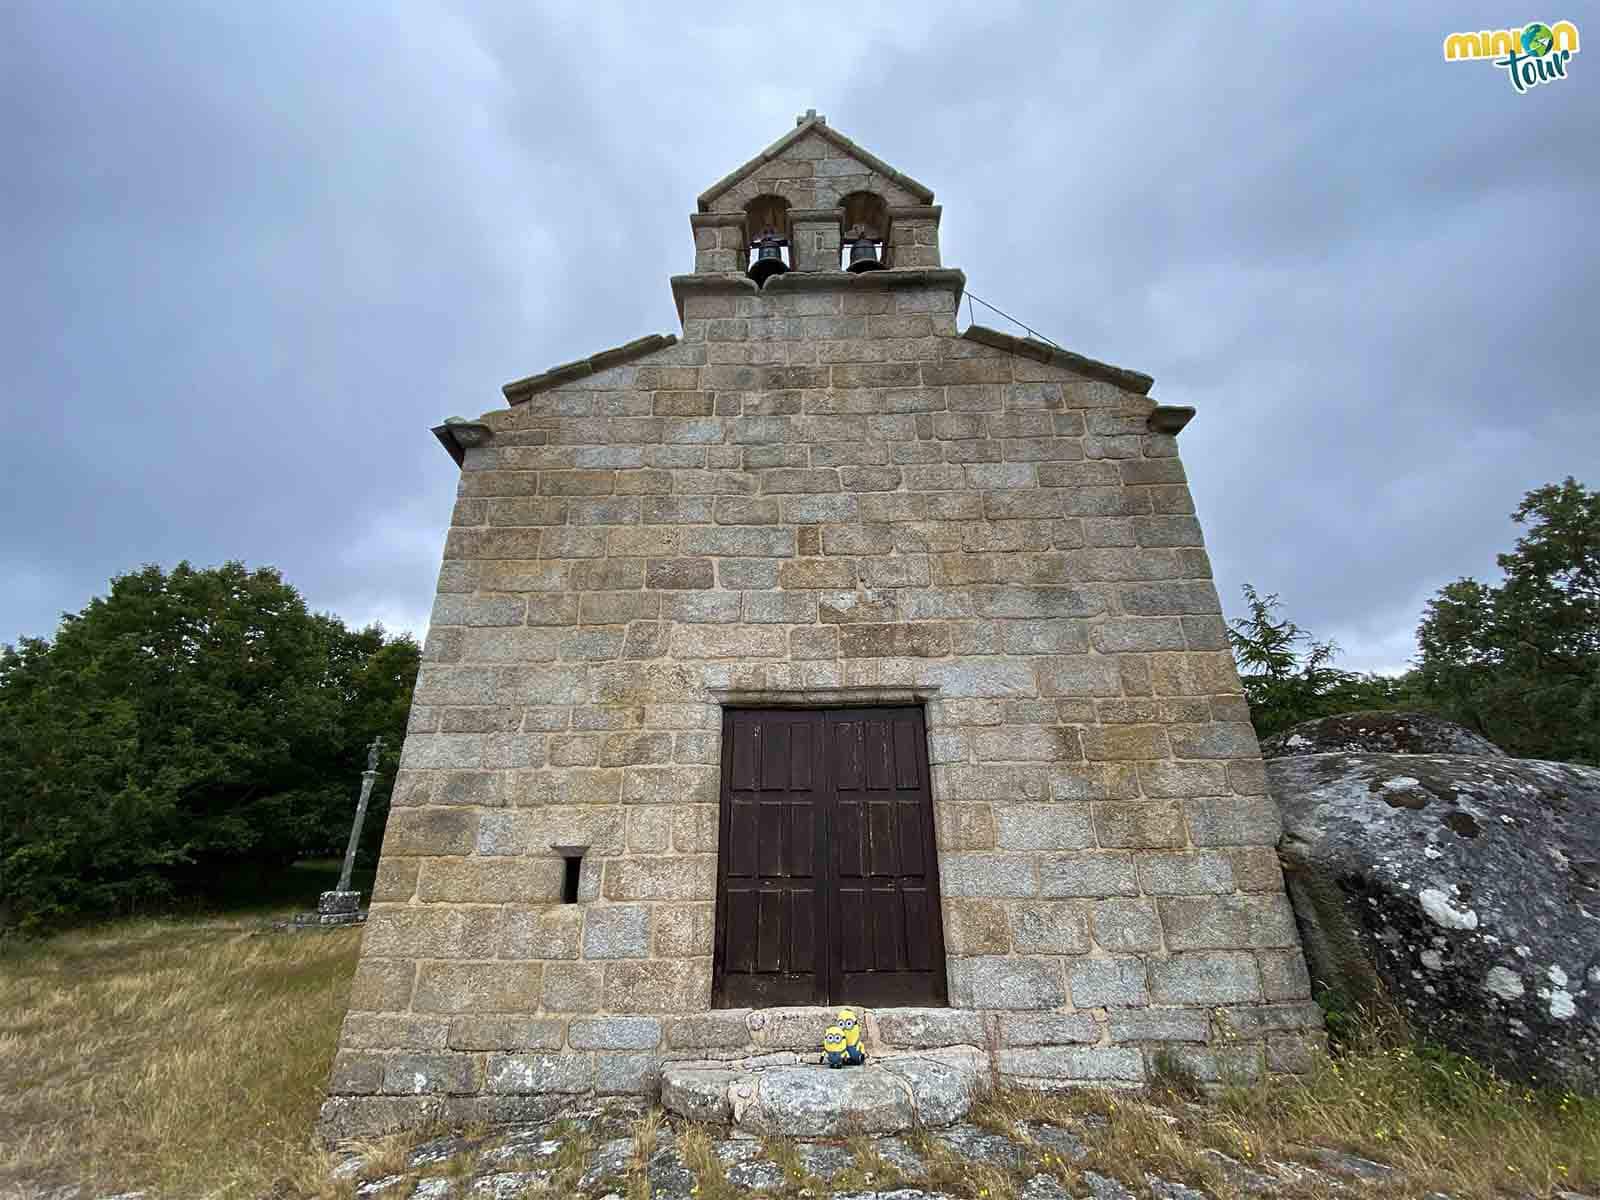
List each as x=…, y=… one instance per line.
x=1139, y=1134
x=646, y=1137
x=1444, y=1123
x=871, y=1171
x=382, y=1156
x=568, y=1165
x=186, y=1058
x=1449, y=1124
x=189, y=1059
x=700, y=1156
x=950, y=1172
x=786, y=1154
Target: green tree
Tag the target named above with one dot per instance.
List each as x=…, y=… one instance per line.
x=182, y=727
x=1288, y=675
x=1520, y=662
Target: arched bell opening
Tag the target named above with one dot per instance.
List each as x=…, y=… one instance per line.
x=767, y=231
x=865, y=242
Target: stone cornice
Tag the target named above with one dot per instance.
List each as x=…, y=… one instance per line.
x=819, y=281
x=819, y=216
x=458, y=435
x=871, y=281
x=704, y=220
x=909, y=212
x=821, y=128
x=1170, y=418
x=1133, y=381
x=728, y=283
x=519, y=390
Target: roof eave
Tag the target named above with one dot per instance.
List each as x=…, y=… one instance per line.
x=1134, y=381
x=519, y=390
x=458, y=435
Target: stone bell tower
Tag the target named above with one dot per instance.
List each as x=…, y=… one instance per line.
x=823, y=653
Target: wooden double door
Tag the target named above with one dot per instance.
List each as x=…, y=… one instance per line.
x=827, y=879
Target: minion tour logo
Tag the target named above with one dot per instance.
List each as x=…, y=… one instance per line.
x=1532, y=55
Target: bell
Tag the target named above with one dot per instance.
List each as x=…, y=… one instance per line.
x=863, y=255
x=769, y=257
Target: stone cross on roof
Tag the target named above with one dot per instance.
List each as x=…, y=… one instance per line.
x=811, y=114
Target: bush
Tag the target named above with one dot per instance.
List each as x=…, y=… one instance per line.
x=1288, y=675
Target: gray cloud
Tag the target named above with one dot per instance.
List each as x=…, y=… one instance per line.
x=254, y=255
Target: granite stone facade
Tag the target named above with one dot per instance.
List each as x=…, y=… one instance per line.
x=820, y=493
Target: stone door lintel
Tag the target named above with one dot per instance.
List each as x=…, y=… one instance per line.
x=843, y=697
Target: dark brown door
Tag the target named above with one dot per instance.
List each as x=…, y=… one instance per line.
x=827, y=879
x=771, y=906
x=886, y=937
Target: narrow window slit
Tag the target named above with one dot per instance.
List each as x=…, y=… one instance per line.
x=569, y=882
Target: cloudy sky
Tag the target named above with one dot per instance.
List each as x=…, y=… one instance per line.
x=253, y=252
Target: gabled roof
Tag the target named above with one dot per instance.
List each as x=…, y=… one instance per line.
x=519, y=390
x=1134, y=381
x=812, y=123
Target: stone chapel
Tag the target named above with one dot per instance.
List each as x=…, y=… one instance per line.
x=824, y=653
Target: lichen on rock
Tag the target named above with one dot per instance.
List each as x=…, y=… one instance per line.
x=1379, y=733
x=1460, y=889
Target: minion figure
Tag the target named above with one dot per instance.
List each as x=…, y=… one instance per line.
x=853, y=1052
x=833, y=1047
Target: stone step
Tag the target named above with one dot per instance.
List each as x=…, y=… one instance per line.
x=784, y=1094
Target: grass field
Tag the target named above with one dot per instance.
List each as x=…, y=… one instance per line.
x=183, y=1055
x=187, y=1056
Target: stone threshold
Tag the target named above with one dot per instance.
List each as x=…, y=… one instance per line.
x=795, y=1095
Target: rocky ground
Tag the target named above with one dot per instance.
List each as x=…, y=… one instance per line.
x=1161, y=1144
x=618, y=1155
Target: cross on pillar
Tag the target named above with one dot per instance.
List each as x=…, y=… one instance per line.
x=344, y=897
